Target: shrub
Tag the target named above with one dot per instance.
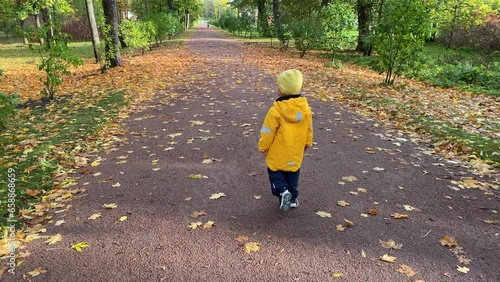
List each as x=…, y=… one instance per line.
x=137, y=34
x=307, y=34
x=8, y=105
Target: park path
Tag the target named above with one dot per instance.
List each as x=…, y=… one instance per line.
x=199, y=138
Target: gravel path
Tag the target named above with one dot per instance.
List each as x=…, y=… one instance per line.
x=210, y=130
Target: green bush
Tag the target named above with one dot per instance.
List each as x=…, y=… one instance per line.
x=165, y=25
x=307, y=34
x=137, y=33
x=8, y=105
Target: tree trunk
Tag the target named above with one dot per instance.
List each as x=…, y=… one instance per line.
x=262, y=18
x=277, y=21
x=112, y=49
x=38, y=26
x=147, y=7
x=364, y=23
x=171, y=6
x=25, y=39
x=93, y=29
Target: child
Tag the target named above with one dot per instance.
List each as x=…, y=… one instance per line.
x=285, y=135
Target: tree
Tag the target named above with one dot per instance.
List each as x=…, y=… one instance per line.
x=93, y=29
x=111, y=33
x=7, y=16
x=280, y=33
x=364, y=8
x=399, y=37
x=339, y=19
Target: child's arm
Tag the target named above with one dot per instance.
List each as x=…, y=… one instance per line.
x=268, y=130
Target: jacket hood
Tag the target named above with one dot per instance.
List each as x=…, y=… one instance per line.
x=292, y=108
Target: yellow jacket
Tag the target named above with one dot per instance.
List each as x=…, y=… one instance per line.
x=286, y=131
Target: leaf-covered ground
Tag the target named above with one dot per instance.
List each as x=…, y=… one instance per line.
x=176, y=190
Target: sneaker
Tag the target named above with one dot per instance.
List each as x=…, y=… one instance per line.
x=285, y=200
x=294, y=203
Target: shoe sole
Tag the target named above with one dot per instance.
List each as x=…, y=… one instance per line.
x=285, y=201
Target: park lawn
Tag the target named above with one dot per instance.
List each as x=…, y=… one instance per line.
x=46, y=142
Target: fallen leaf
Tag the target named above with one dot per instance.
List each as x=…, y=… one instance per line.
x=37, y=271
x=54, y=239
x=197, y=176
x=241, y=239
x=378, y=168
x=117, y=184
x=349, y=178
x=363, y=254
x=198, y=214
x=80, y=246
x=209, y=224
x=257, y=197
x=194, y=225
x=123, y=218
x=370, y=150
x=407, y=270
x=32, y=193
x=388, y=258
x=59, y=222
x=323, y=214
x=390, y=244
x=187, y=199
x=448, y=241
x=399, y=215
x=337, y=275
x=339, y=227
x=410, y=208
x=251, y=247
x=494, y=222
x=372, y=211
x=362, y=190
x=109, y=206
x=217, y=196
x=94, y=216
x=94, y=163
x=342, y=203
x=348, y=223
x=464, y=269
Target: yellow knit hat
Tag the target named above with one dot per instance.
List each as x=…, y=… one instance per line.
x=290, y=82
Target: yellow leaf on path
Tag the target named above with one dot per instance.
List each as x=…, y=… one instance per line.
x=109, y=206
x=3, y=270
x=363, y=254
x=241, y=239
x=95, y=163
x=372, y=211
x=388, y=258
x=79, y=246
x=197, y=176
x=362, y=190
x=209, y=224
x=378, y=168
x=187, y=199
x=390, y=244
x=123, y=218
x=399, y=215
x=194, y=225
x=407, y=270
x=257, y=197
x=464, y=269
x=349, y=178
x=369, y=150
x=448, y=241
x=94, y=216
x=251, y=247
x=37, y=271
x=323, y=214
x=154, y=161
x=348, y=223
x=117, y=184
x=488, y=221
x=59, y=222
x=339, y=227
x=342, y=203
x=198, y=214
x=337, y=275
x=54, y=239
x=217, y=196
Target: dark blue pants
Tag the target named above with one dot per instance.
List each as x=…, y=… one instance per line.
x=284, y=180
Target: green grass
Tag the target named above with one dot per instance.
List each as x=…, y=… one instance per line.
x=462, y=68
x=481, y=145
x=59, y=127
